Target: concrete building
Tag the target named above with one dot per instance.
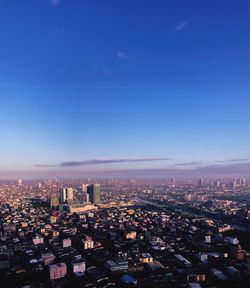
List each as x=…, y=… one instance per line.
x=88, y=243
x=57, y=271
x=20, y=182
x=66, y=243
x=94, y=192
x=117, y=265
x=66, y=195
x=78, y=266
x=38, y=240
x=54, y=201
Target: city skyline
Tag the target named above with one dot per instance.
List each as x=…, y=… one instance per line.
x=128, y=89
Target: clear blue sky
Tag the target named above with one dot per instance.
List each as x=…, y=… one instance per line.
x=123, y=79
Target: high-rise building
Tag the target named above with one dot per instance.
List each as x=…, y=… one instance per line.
x=85, y=187
x=66, y=195
x=85, y=192
x=70, y=194
x=217, y=184
x=242, y=181
x=94, y=192
x=234, y=184
x=20, y=182
x=54, y=201
x=173, y=183
x=200, y=182
x=86, y=197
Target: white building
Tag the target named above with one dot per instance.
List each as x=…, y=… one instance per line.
x=88, y=244
x=79, y=266
x=66, y=243
x=38, y=240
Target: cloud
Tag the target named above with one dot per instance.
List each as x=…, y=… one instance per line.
x=81, y=169
x=106, y=71
x=108, y=161
x=55, y=3
x=181, y=26
x=192, y=169
x=242, y=159
x=122, y=56
x=215, y=171
x=44, y=165
x=192, y=163
x=234, y=170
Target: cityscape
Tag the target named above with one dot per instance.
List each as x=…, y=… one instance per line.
x=124, y=144
x=125, y=233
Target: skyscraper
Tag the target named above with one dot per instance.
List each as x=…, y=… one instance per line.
x=242, y=181
x=94, y=192
x=85, y=187
x=200, y=182
x=66, y=195
x=20, y=182
x=54, y=201
x=173, y=183
x=234, y=184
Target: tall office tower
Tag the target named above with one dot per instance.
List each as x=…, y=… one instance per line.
x=86, y=197
x=218, y=184
x=94, y=192
x=200, y=182
x=20, y=182
x=66, y=194
x=242, y=181
x=234, y=184
x=85, y=187
x=70, y=194
x=173, y=183
x=54, y=201
x=85, y=193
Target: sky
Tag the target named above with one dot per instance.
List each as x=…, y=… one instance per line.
x=128, y=88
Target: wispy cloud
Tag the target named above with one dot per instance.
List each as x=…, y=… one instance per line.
x=55, y=3
x=179, y=169
x=122, y=56
x=109, y=161
x=44, y=165
x=99, y=162
x=221, y=171
x=235, y=160
x=181, y=26
x=106, y=71
x=192, y=163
